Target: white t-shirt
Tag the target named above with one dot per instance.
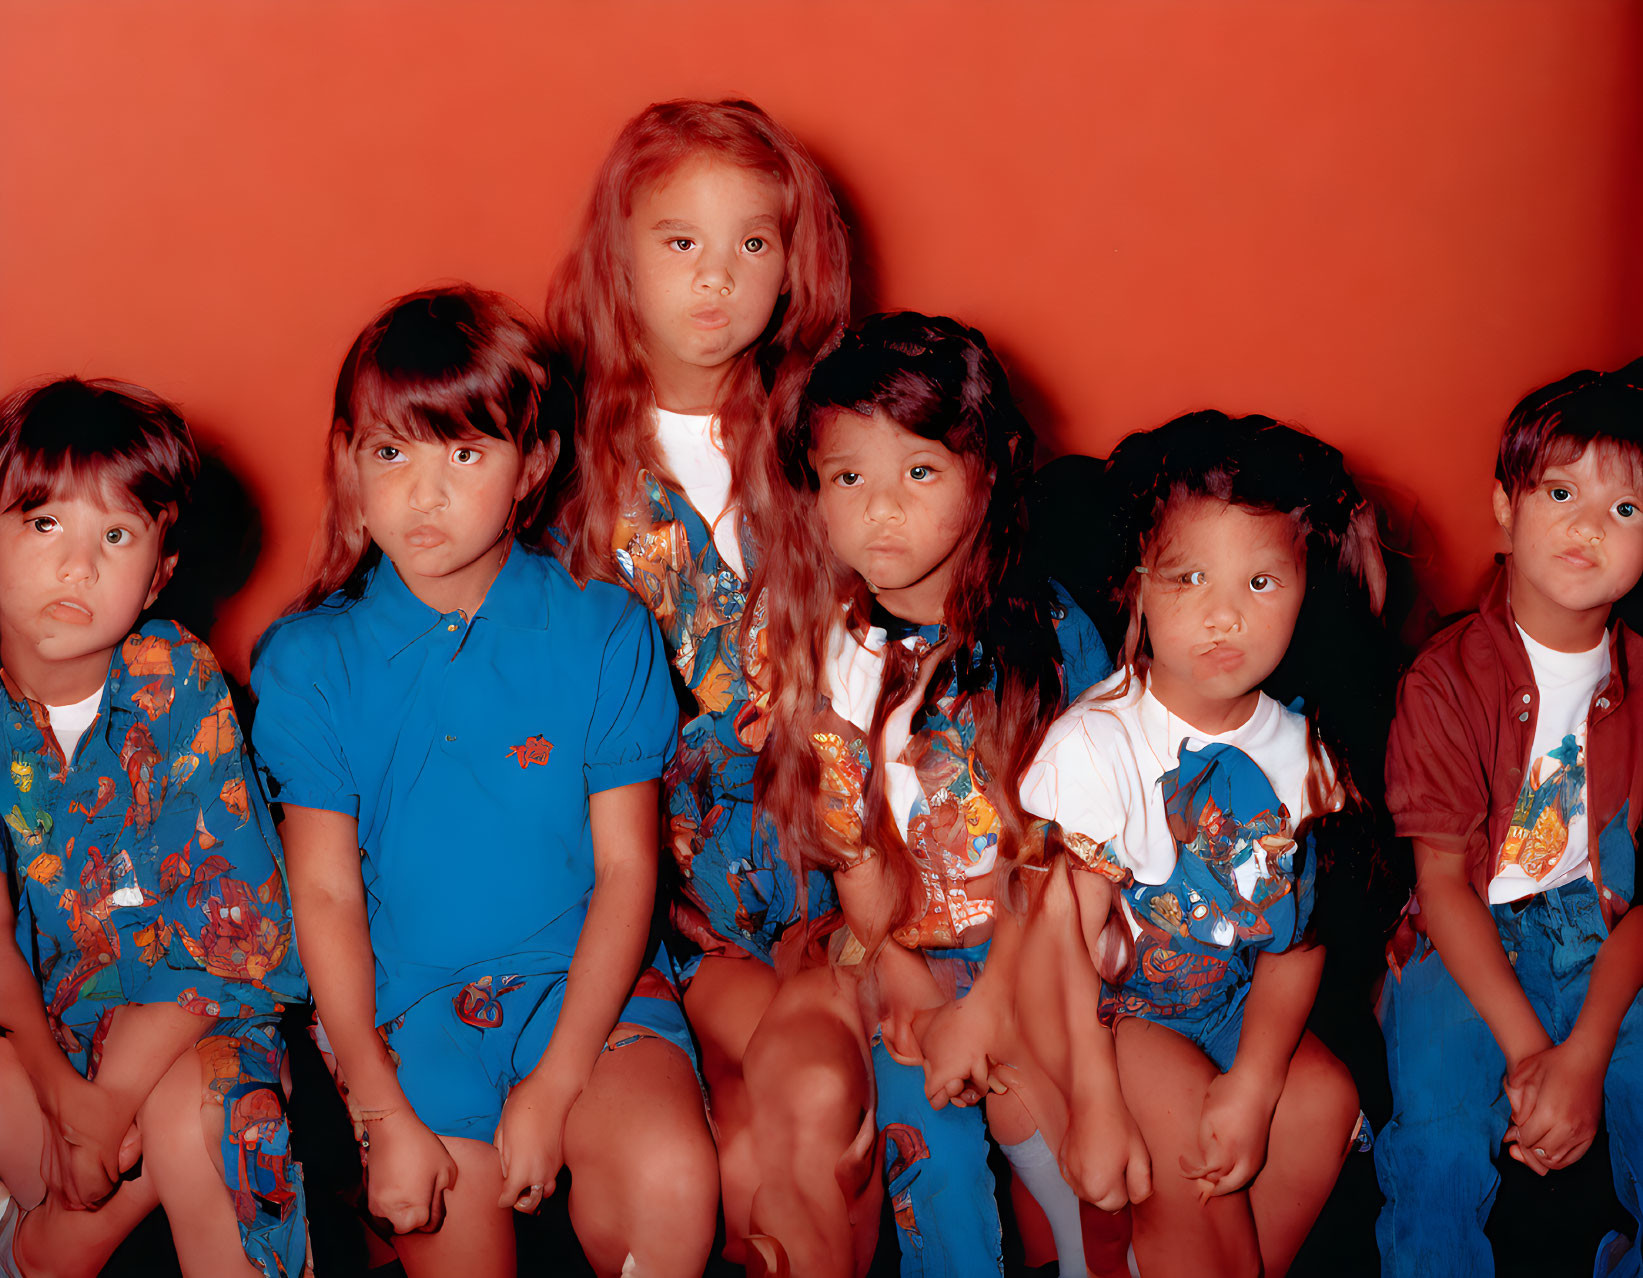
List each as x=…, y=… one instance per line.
x=69, y=723
x=1546, y=845
x=694, y=453
x=1099, y=772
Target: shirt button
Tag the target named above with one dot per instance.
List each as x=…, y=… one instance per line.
x=1524, y=717
x=1525, y=698
x=449, y=736
x=452, y=627
x=1607, y=894
x=1602, y=703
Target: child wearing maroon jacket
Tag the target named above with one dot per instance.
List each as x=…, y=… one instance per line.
x=1515, y=765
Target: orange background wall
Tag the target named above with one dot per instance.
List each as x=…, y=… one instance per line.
x=1384, y=220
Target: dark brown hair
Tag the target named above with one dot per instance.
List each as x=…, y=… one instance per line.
x=1555, y=425
x=440, y=364
x=74, y=435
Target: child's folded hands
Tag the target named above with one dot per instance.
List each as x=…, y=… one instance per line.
x=1232, y=1132
x=530, y=1141
x=957, y=1042
x=1557, y=1100
x=89, y=1140
x=408, y=1170
x=1103, y=1156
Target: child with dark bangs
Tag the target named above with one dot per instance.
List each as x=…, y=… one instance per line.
x=145, y=942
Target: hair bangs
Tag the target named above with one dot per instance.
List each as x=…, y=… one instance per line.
x=1555, y=424
x=104, y=438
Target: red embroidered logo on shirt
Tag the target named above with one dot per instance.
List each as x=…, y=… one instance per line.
x=534, y=750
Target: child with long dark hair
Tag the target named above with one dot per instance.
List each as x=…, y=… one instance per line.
x=711, y=266
x=467, y=747
x=1208, y=794
x=937, y=663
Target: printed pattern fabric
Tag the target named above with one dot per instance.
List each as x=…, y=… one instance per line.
x=737, y=889
x=1234, y=892
x=953, y=825
x=145, y=872
x=1553, y=795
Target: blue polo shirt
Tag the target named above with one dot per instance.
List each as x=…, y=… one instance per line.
x=467, y=751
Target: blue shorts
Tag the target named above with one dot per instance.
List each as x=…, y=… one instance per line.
x=462, y=1049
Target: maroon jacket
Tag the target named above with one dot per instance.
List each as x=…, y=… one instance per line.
x=1461, y=739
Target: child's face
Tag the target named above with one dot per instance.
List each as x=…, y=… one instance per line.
x=75, y=574
x=1577, y=539
x=896, y=506
x=438, y=508
x=708, y=266
x=1221, y=594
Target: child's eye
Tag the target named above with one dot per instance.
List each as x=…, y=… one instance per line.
x=847, y=479
x=1197, y=577
x=1260, y=583
x=43, y=523
x=754, y=244
x=1625, y=509
x=117, y=536
x=919, y=472
x=385, y=452
x=465, y=456
x=683, y=243
x=1559, y=493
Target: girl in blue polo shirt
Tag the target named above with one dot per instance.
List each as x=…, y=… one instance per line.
x=467, y=747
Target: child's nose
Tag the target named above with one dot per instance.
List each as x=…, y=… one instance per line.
x=883, y=507
x=1223, y=612
x=713, y=274
x=79, y=564
x=1586, y=523
x=428, y=489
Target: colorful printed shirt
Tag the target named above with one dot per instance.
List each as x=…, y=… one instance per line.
x=466, y=750
x=147, y=871
x=935, y=782
x=145, y=868
x=1197, y=830
x=737, y=889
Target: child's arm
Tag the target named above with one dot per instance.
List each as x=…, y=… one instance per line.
x=906, y=987
x=1557, y=1093
x=89, y=1138
x=1238, y=1105
x=410, y=1168
x=1102, y=1155
x=609, y=954
x=1461, y=927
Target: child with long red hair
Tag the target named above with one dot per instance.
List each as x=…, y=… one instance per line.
x=938, y=660
x=711, y=266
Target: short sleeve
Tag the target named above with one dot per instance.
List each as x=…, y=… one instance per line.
x=1085, y=661
x=1436, y=786
x=1072, y=783
x=635, y=713
x=297, y=743
x=218, y=937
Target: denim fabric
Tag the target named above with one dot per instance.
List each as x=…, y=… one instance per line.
x=936, y=1161
x=1436, y=1158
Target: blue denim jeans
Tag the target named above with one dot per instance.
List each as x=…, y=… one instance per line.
x=936, y=1161
x=1436, y=1158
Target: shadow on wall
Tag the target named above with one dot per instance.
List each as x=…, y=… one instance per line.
x=218, y=541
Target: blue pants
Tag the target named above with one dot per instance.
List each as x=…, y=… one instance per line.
x=1436, y=1158
x=936, y=1162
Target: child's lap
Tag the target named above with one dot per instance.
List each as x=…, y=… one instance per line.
x=459, y=1055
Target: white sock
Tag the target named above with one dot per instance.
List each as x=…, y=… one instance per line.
x=1034, y=1162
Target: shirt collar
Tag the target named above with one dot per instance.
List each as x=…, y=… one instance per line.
x=1496, y=612
x=517, y=598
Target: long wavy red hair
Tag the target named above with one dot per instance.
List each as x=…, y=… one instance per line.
x=592, y=316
